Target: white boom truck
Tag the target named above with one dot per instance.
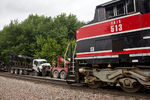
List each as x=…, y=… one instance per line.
x=26, y=65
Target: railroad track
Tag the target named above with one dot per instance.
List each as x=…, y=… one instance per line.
x=107, y=90
x=34, y=78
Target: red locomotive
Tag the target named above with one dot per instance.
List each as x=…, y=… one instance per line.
x=114, y=48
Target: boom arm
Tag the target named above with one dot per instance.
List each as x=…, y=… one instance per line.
x=61, y=59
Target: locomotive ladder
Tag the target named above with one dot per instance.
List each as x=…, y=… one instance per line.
x=71, y=76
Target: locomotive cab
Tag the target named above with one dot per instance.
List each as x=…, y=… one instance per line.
x=118, y=8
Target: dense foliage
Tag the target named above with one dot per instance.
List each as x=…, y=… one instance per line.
x=38, y=36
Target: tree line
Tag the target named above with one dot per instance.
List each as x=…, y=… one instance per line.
x=39, y=36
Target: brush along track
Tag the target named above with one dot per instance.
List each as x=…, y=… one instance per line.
x=116, y=91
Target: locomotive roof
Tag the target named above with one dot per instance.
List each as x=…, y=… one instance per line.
x=108, y=3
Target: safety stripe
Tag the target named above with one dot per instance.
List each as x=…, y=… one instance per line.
x=98, y=57
x=132, y=53
x=95, y=52
x=113, y=56
x=139, y=55
x=137, y=48
x=108, y=51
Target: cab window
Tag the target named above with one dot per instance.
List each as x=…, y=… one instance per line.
x=130, y=6
x=120, y=9
x=109, y=12
x=147, y=6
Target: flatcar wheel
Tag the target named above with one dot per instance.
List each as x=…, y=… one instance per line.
x=55, y=74
x=63, y=75
x=136, y=87
x=12, y=71
x=21, y=72
x=16, y=71
x=25, y=72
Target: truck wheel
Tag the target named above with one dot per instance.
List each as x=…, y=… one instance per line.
x=36, y=73
x=44, y=73
x=16, y=71
x=63, y=75
x=55, y=74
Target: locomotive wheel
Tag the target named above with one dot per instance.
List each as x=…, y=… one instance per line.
x=63, y=75
x=136, y=87
x=55, y=74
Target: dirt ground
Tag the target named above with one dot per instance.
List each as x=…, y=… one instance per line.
x=12, y=89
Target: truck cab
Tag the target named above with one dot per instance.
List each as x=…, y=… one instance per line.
x=41, y=66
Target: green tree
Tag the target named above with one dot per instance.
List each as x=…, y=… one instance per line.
x=39, y=36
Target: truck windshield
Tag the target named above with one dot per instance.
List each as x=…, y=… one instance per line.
x=42, y=62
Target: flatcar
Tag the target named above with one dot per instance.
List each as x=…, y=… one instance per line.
x=114, y=48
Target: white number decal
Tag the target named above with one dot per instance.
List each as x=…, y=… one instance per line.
x=120, y=27
x=91, y=49
x=116, y=26
x=112, y=29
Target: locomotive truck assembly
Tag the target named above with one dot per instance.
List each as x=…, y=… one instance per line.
x=114, y=48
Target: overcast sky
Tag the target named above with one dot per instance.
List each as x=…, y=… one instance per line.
x=20, y=9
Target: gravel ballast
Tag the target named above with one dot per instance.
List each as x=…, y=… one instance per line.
x=13, y=89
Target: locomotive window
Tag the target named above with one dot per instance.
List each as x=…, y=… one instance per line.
x=120, y=9
x=147, y=6
x=109, y=12
x=130, y=6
